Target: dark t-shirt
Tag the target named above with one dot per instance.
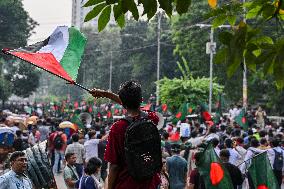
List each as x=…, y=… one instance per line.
x=177, y=169
x=235, y=174
x=18, y=144
x=115, y=154
x=196, y=179
x=101, y=151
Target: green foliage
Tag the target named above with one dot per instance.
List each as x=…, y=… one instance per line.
x=5, y=89
x=104, y=18
x=120, y=7
x=15, y=28
x=174, y=92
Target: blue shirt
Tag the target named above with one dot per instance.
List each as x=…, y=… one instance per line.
x=11, y=180
x=177, y=169
x=87, y=182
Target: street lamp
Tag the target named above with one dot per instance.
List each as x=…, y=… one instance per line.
x=211, y=49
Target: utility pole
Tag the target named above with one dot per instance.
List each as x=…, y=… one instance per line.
x=158, y=58
x=212, y=51
x=245, y=86
x=110, y=71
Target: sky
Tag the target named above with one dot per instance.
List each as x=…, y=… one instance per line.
x=49, y=14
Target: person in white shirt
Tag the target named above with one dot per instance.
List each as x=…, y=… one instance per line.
x=234, y=155
x=212, y=134
x=91, y=145
x=184, y=130
x=276, y=158
x=251, y=152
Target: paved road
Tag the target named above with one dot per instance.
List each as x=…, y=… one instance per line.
x=60, y=182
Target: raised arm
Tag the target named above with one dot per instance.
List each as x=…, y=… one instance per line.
x=98, y=93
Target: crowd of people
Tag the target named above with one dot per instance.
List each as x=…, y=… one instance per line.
x=97, y=157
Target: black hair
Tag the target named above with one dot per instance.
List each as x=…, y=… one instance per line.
x=176, y=147
x=15, y=155
x=212, y=129
x=130, y=94
x=250, y=132
x=193, y=134
x=215, y=142
x=229, y=143
x=225, y=153
x=75, y=137
x=99, y=136
x=91, y=134
x=92, y=165
x=166, y=135
x=262, y=133
x=19, y=133
x=254, y=142
x=68, y=155
x=275, y=142
x=263, y=141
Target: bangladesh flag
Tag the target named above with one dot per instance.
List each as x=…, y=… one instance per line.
x=214, y=173
x=205, y=115
x=164, y=107
x=59, y=54
x=261, y=173
x=77, y=121
x=241, y=120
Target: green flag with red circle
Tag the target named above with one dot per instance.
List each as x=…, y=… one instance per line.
x=261, y=173
x=241, y=119
x=215, y=175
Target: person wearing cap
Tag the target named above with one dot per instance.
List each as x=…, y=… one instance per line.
x=15, y=178
x=177, y=168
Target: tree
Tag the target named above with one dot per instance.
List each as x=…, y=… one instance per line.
x=15, y=28
x=245, y=40
x=174, y=92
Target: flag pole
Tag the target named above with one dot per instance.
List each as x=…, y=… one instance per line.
x=6, y=51
x=251, y=158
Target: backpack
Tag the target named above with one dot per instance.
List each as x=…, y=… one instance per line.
x=142, y=146
x=278, y=161
x=58, y=142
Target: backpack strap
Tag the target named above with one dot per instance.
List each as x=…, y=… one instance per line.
x=129, y=119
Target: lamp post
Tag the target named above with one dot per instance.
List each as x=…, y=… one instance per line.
x=211, y=49
x=158, y=58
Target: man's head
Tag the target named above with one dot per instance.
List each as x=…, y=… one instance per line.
x=92, y=134
x=228, y=143
x=18, y=162
x=130, y=94
x=19, y=133
x=75, y=137
x=176, y=148
x=224, y=155
x=70, y=158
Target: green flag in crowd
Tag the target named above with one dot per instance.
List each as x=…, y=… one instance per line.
x=261, y=173
x=242, y=120
x=182, y=113
x=77, y=121
x=215, y=175
x=218, y=114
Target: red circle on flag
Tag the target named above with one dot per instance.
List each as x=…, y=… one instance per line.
x=216, y=173
x=262, y=186
x=244, y=120
x=178, y=115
